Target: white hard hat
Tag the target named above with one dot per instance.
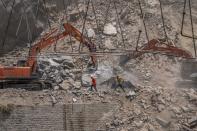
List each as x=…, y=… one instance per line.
x=93, y=75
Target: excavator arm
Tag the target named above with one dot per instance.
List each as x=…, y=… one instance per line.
x=35, y=49
x=72, y=31
x=69, y=29
x=47, y=41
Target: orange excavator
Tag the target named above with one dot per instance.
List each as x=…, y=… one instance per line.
x=156, y=46
x=26, y=71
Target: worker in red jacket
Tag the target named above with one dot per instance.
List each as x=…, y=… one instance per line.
x=93, y=83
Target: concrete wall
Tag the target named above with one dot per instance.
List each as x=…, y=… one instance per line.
x=77, y=117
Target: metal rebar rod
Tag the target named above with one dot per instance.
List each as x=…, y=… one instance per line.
x=107, y=12
x=163, y=22
x=84, y=23
x=47, y=13
x=144, y=23
x=9, y=21
x=97, y=23
x=19, y=25
x=38, y=3
x=80, y=14
x=121, y=31
x=183, y=21
x=138, y=39
x=66, y=12
x=192, y=26
x=3, y=4
x=59, y=30
x=29, y=35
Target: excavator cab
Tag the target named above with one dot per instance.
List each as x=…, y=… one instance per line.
x=21, y=63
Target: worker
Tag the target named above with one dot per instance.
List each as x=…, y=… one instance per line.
x=93, y=83
x=93, y=62
x=120, y=82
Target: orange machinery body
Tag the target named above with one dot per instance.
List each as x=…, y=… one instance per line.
x=10, y=73
x=28, y=70
x=156, y=45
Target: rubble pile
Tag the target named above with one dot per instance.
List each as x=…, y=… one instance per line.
x=56, y=69
x=155, y=109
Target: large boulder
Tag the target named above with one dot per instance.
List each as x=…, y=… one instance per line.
x=65, y=61
x=104, y=72
x=109, y=29
x=91, y=33
x=86, y=80
x=109, y=44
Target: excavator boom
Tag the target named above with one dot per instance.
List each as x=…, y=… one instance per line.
x=29, y=70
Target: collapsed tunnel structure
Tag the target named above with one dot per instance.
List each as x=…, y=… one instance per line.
x=113, y=38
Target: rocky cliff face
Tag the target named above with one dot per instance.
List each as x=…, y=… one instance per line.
x=21, y=24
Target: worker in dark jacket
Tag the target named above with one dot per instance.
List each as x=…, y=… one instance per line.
x=120, y=82
x=93, y=83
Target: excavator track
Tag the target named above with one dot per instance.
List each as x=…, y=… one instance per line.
x=33, y=85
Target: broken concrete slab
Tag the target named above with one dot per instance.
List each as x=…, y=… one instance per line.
x=144, y=129
x=131, y=95
x=109, y=45
x=54, y=100
x=176, y=110
x=64, y=60
x=160, y=107
x=86, y=81
x=77, y=85
x=185, y=108
x=193, y=122
x=48, y=60
x=116, y=123
x=91, y=33
x=58, y=79
x=104, y=72
x=139, y=124
x=192, y=96
x=74, y=100
x=65, y=85
x=163, y=122
x=69, y=64
x=118, y=70
x=109, y=29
